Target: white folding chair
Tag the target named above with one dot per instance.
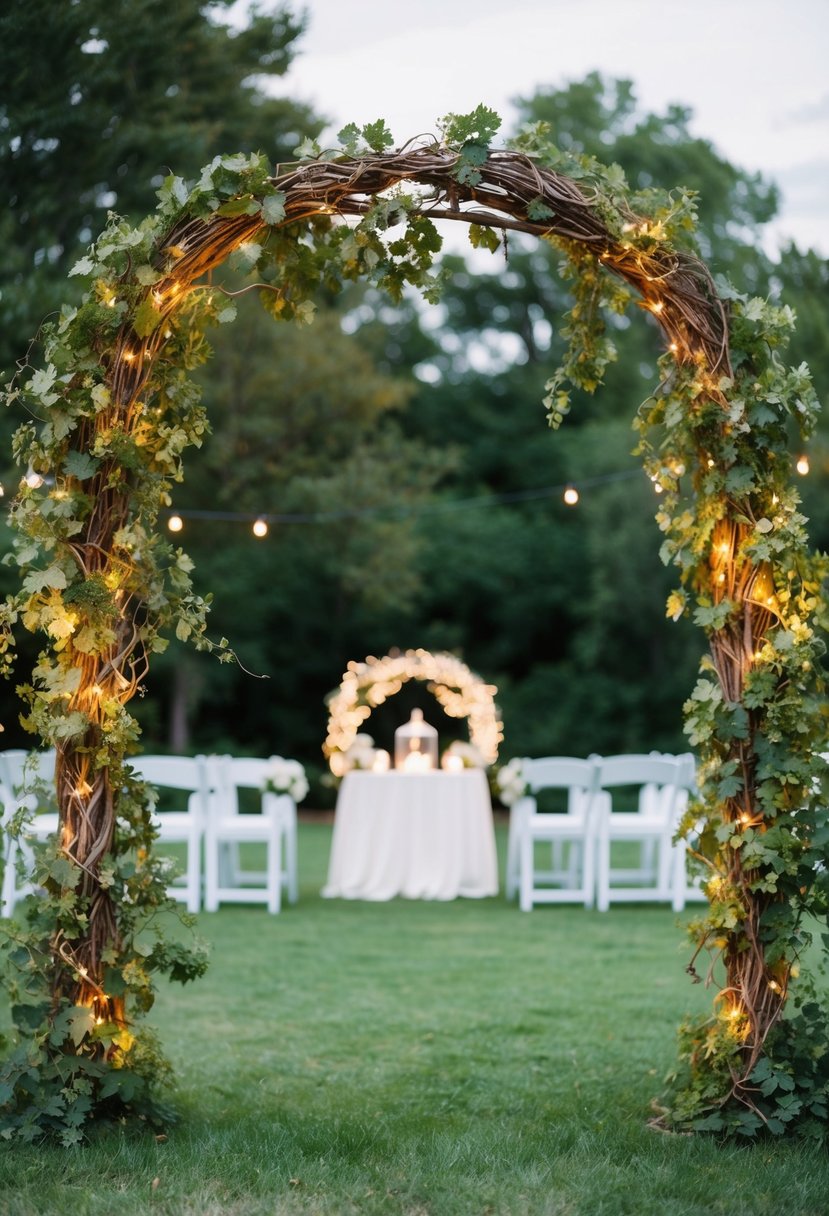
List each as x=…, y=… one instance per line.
x=174, y=826
x=273, y=825
x=659, y=800
x=26, y=780
x=570, y=877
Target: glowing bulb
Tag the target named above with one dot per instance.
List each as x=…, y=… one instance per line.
x=723, y=546
x=721, y=577
x=2, y=491
x=710, y=462
x=802, y=465
x=33, y=480
x=175, y=523
x=571, y=496
x=673, y=348
x=658, y=488
x=657, y=306
x=260, y=527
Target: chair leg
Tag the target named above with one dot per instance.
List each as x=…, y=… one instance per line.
x=275, y=870
x=9, y=877
x=291, y=862
x=193, y=874
x=526, y=875
x=680, y=877
x=211, y=873
x=603, y=872
x=588, y=851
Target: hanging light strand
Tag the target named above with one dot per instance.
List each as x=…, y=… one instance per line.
x=260, y=521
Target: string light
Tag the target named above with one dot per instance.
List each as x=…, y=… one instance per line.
x=571, y=494
x=802, y=465
x=33, y=480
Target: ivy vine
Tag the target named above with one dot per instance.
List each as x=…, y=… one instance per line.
x=110, y=411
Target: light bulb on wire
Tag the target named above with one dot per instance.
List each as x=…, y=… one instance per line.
x=175, y=523
x=260, y=527
x=802, y=465
x=571, y=496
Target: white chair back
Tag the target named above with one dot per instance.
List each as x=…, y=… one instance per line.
x=26, y=780
x=275, y=827
x=187, y=774
x=651, y=826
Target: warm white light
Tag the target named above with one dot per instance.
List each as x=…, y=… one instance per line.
x=451, y=763
x=571, y=496
x=417, y=762
x=175, y=523
x=260, y=527
x=33, y=480
x=802, y=465
x=381, y=762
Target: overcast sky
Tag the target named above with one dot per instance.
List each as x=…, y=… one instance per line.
x=753, y=71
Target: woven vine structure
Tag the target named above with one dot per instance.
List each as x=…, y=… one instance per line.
x=675, y=287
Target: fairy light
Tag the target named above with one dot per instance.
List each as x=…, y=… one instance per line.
x=33, y=480
x=175, y=523
x=571, y=496
x=802, y=465
x=260, y=527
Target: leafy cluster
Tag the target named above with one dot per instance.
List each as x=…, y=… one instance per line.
x=73, y=1066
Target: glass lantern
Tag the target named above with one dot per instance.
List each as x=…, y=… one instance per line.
x=416, y=745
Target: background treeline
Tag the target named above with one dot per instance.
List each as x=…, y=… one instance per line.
x=387, y=420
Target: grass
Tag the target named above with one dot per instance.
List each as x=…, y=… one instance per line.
x=423, y=1059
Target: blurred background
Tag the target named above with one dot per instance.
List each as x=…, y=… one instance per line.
x=411, y=441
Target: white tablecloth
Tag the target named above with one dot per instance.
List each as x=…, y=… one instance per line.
x=420, y=835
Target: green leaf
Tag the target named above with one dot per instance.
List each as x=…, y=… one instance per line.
x=377, y=135
x=273, y=208
x=147, y=318
x=38, y=580
x=80, y=465
x=481, y=237
x=83, y=266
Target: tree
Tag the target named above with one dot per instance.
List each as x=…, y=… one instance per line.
x=100, y=100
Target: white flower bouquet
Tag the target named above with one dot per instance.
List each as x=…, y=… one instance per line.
x=469, y=755
x=509, y=781
x=286, y=777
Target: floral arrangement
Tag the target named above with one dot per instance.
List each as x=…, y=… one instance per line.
x=509, y=781
x=469, y=755
x=286, y=777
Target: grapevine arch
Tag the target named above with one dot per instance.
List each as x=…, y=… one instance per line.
x=112, y=412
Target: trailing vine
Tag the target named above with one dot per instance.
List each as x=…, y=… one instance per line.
x=111, y=410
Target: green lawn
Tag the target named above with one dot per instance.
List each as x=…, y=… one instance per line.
x=453, y=1059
